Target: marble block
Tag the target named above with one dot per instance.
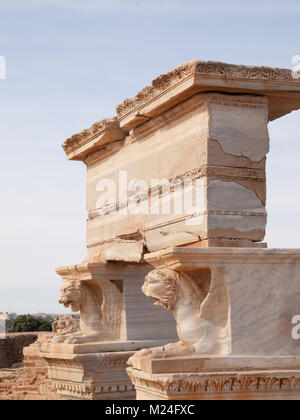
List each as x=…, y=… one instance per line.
x=111, y=304
x=183, y=162
x=226, y=384
x=98, y=376
x=214, y=188
x=86, y=359
x=235, y=311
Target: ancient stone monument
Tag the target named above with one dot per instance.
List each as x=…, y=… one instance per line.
x=87, y=360
x=233, y=299
x=177, y=182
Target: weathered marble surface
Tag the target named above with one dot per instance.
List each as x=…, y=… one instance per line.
x=253, y=296
x=234, y=310
x=112, y=305
x=202, y=126
x=196, y=76
x=229, y=384
x=225, y=168
x=216, y=114
x=86, y=359
x=116, y=319
x=99, y=376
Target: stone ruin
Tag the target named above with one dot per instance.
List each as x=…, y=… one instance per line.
x=11, y=348
x=176, y=195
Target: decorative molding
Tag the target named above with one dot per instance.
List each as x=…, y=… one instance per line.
x=219, y=384
x=98, y=135
x=159, y=85
x=254, y=102
x=75, y=390
x=54, y=363
x=232, y=71
x=91, y=368
x=87, y=391
x=204, y=69
x=78, y=140
x=113, y=362
x=107, y=360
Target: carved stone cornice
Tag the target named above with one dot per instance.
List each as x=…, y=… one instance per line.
x=93, y=270
x=232, y=71
x=199, y=76
x=167, y=90
x=100, y=138
x=159, y=84
x=214, y=384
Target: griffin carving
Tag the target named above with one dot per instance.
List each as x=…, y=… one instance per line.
x=100, y=306
x=200, y=310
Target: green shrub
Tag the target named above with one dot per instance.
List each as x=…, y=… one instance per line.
x=28, y=323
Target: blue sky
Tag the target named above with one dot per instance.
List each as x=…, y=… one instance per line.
x=69, y=63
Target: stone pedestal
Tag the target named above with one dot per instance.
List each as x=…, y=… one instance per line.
x=95, y=376
x=116, y=320
x=182, y=164
x=237, y=379
x=241, y=335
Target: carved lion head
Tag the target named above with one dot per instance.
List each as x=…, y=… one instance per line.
x=70, y=295
x=161, y=286
x=65, y=324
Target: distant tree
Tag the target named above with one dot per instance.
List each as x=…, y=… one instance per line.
x=28, y=323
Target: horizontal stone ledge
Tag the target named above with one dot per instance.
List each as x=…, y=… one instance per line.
x=177, y=257
x=167, y=90
x=206, y=364
x=69, y=351
x=88, y=270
